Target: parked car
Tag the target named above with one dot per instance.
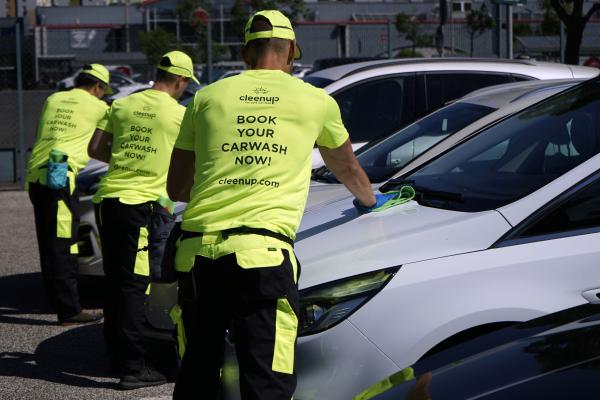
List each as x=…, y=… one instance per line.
x=377, y=98
x=507, y=98
x=553, y=357
x=386, y=158
x=461, y=119
x=504, y=228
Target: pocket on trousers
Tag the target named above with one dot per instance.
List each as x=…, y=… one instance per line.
x=64, y=220
x=286, y=330
x=162, y=246
x=259, y=258
x=142, y=262
x=268, y=273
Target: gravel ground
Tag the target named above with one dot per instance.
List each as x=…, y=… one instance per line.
x=38, y=358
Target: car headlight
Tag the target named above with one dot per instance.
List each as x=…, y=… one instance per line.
x=324, y=306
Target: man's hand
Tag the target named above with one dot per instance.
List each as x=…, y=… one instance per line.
x=383, y=201
x=181, y=175
x=380, y=200
x=342, y=162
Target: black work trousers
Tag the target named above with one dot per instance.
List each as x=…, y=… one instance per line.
x=124, y=234
x=259, y=306
x=56, y=223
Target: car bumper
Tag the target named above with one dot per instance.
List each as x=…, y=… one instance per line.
x=88, y=240
x=335, y=365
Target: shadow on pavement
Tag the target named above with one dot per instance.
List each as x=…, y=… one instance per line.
x=73, y=358
x=24, y=294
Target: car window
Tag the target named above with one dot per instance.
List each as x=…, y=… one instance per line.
x=579, y=211
x=385, y=158
x=520, y=154
x=373, y=109
x=443, y=87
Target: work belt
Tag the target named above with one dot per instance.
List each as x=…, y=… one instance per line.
x=244, y=230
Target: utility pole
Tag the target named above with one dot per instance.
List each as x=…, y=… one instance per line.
x=509, y=32
x=127, y=41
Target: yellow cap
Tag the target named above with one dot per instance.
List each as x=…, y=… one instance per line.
x=178, y=63
x=99, y=72
x=282, y=29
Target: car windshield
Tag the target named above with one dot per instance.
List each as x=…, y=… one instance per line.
x=317, y=81
x=517, y=156
x=384, y=158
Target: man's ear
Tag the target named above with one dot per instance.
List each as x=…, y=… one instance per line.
x=290, y=59
x=98, y=89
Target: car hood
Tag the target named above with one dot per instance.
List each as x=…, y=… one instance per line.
x=334, y=241
x=322, y=194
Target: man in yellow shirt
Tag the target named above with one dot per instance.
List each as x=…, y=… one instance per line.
x=243, y=161
x=66, y=125
x=136, y=137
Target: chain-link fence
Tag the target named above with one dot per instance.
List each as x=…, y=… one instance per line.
x=131, y=40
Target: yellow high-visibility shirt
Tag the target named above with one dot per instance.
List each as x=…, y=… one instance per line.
x=253, y=136
x=67, y=123
x=144, y=127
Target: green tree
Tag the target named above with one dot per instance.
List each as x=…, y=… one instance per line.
x=197, y=29
x=156, y=43
x=572, y=15
x=410, y=26
x=550, y=24
x=408, y=53
x=242, y=9
x=522, y=29
x=478, y=21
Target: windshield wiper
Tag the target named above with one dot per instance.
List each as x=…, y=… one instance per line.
x=396, y=183
x=422, y=192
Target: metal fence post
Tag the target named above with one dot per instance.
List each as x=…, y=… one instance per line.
x=20, y=105
x=209, y=51
x=389, y=37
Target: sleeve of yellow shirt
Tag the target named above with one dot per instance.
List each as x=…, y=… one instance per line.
x=334, y=133
x=105, y=123
x=185, y=139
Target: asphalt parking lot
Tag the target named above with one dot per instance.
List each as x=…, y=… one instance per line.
x=38, y=358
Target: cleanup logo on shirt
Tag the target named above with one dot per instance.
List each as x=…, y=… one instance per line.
x=260, y=96
x=146, y=112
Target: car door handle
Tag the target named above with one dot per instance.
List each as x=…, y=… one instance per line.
x=592, y=296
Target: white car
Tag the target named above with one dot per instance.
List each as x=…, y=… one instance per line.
x=377, y=98
x=449, y=125
x=418, y=142
x=505, y=227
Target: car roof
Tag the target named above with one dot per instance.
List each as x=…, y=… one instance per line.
x=525, y=67
x=500, y=95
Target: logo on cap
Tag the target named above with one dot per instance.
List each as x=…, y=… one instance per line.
x=261, y=90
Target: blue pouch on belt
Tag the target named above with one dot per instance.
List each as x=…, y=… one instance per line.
x=57, y=170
